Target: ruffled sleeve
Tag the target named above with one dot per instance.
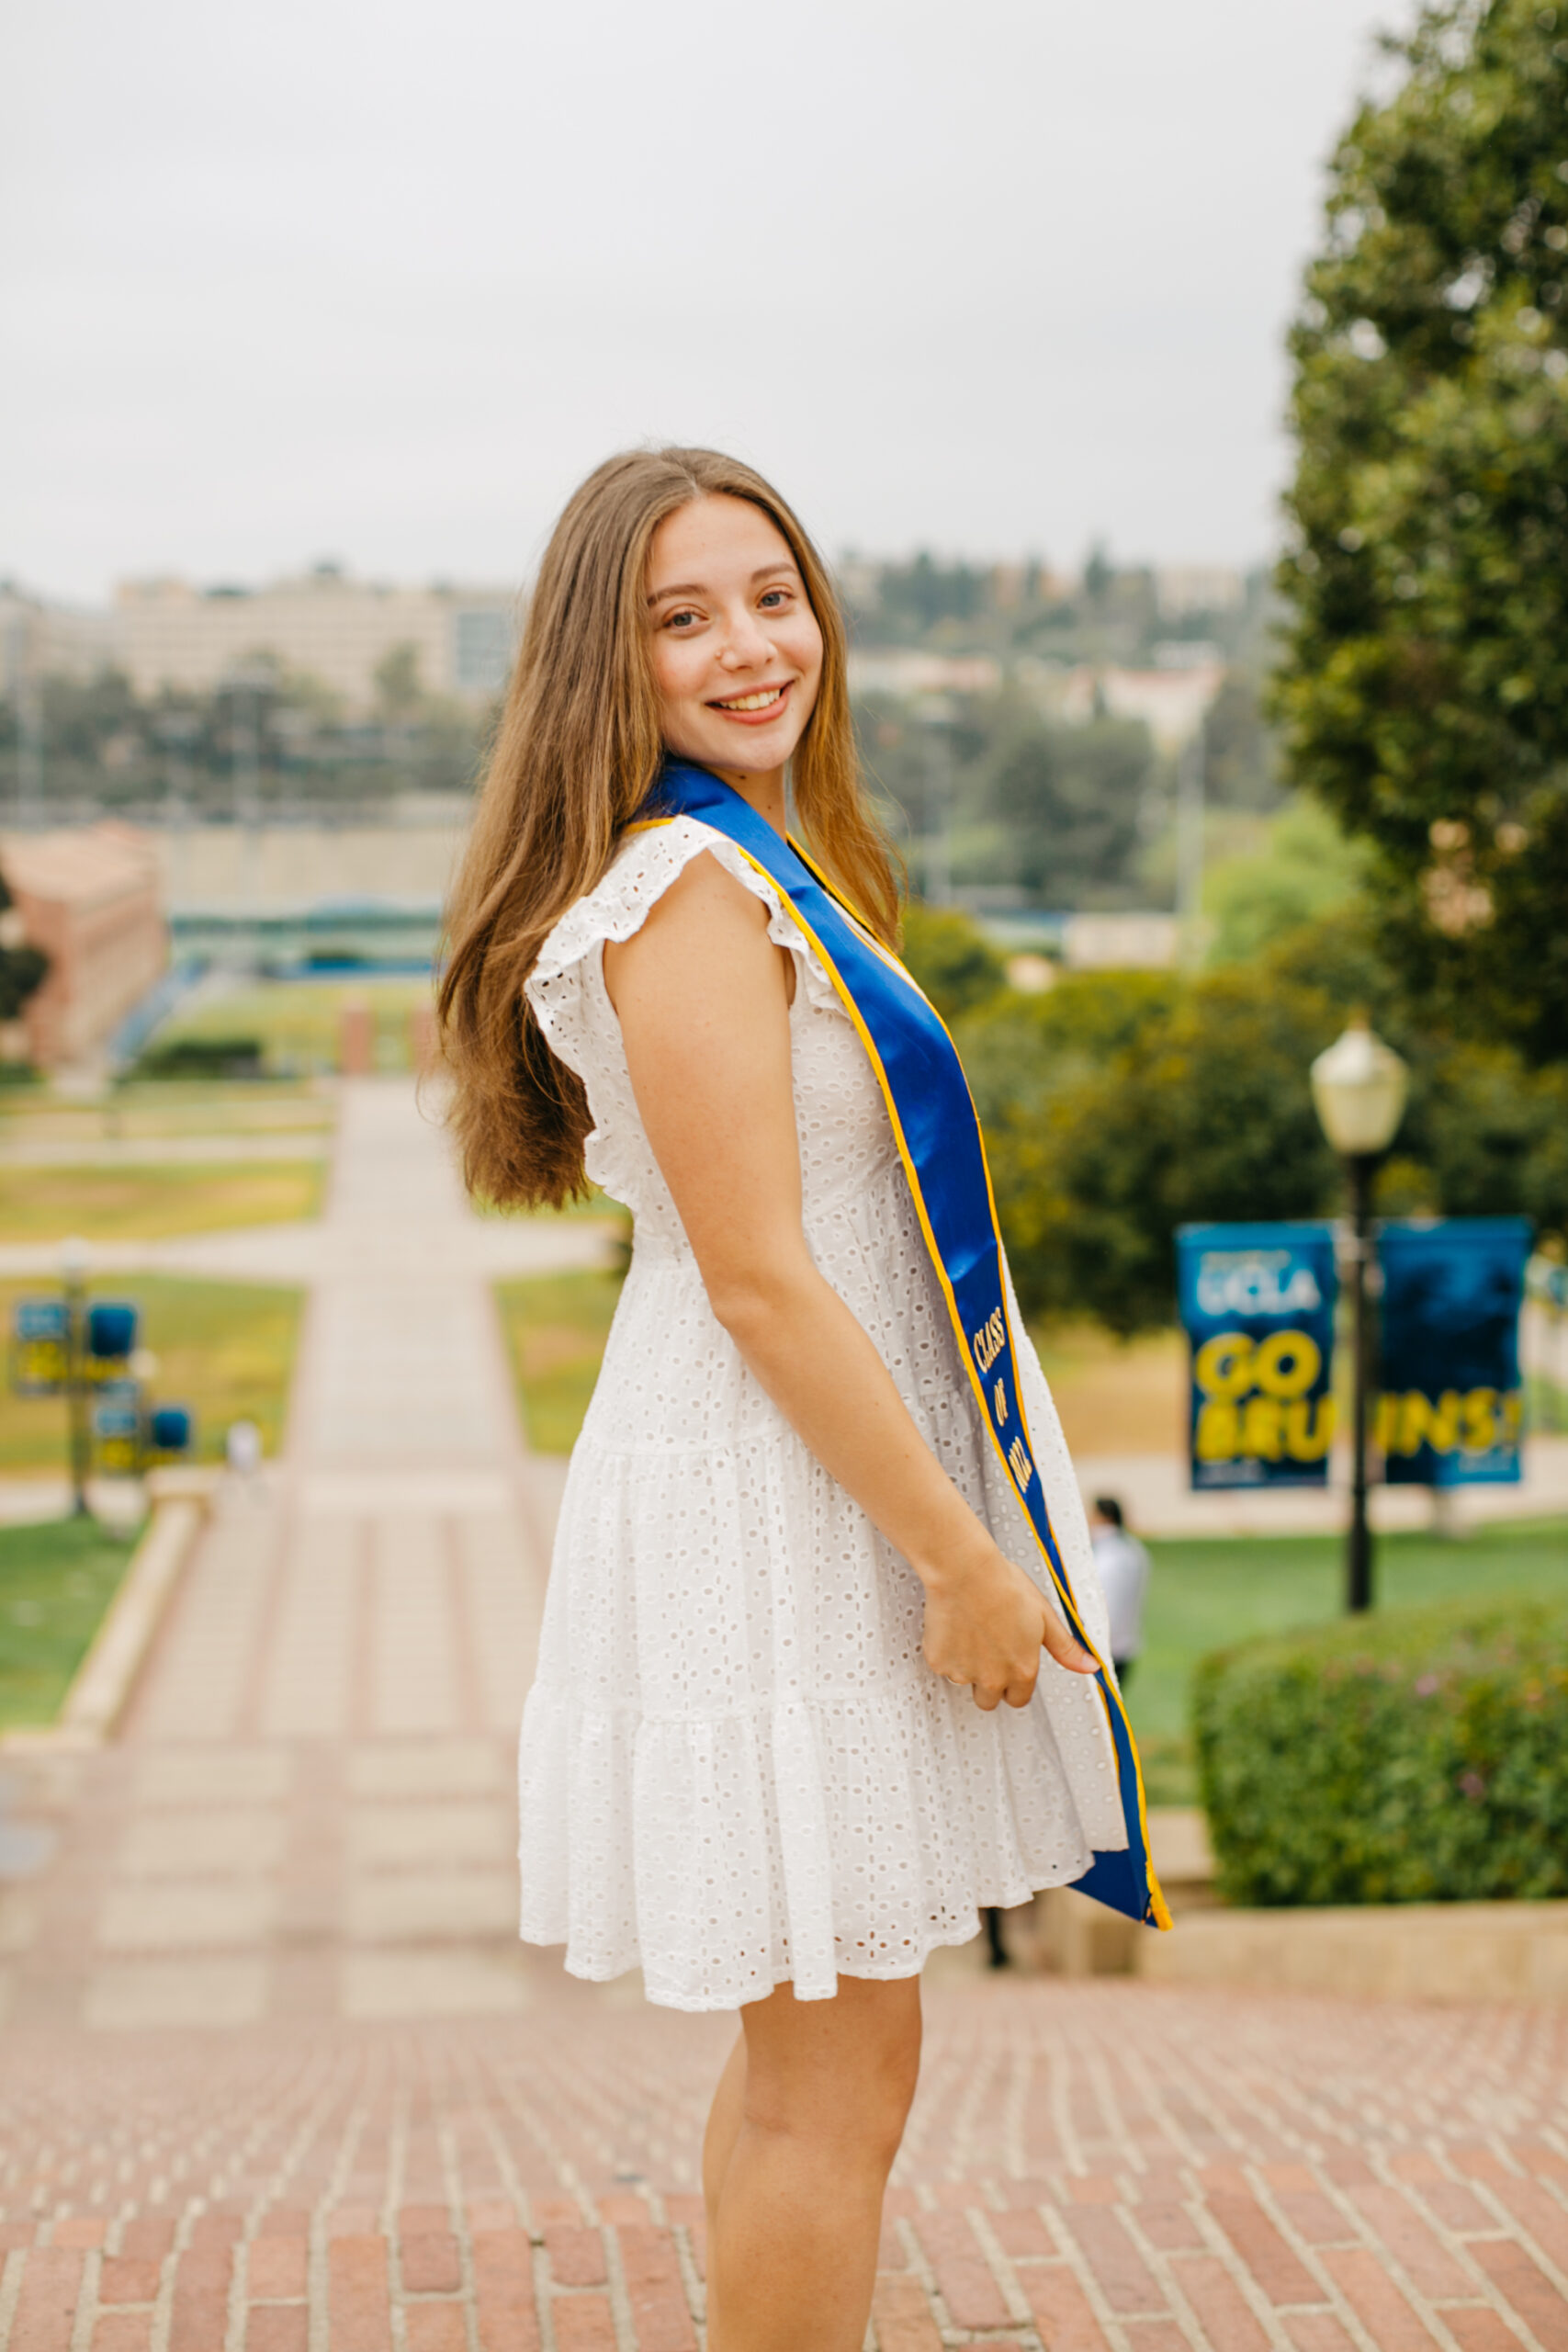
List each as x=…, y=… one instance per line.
x=566, y=987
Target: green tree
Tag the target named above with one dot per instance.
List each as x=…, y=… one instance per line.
x=1240, y=760
x=1123, y=1104
x=951, y=957
x=1070, y=798
x=399, y=692
x=22, y=967
x=1425, y=690
x=1305, y=867
x=1205, y=1113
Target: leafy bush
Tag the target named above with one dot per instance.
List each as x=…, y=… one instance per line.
x=199, y=1057
x=951, y=957
x=1416, y=1756
x=1122, y=1104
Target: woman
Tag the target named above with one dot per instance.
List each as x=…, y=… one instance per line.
x=790, y=1725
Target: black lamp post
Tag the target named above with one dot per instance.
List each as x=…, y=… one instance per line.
x=1358, y=1087
x=78, y=1399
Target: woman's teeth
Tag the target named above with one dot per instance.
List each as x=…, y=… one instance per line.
x=754, y=702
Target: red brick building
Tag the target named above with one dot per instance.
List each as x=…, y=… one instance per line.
x=88, y=896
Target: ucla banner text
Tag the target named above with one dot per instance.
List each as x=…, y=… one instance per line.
x=1258, y=1304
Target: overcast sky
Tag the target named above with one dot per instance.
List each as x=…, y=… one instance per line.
x=381, y=282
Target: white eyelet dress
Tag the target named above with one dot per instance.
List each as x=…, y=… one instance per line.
x=736, y=1767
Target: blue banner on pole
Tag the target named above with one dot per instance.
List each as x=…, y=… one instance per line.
x=40, y=1346
x=1257, y=1303
x=111, y=1338
x=1450, y=1411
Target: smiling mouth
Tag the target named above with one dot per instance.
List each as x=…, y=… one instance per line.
x=765, y=698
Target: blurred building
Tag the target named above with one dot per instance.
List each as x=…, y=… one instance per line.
x=323, y=625
x=904, y=671
x=89, y=899
x=282, y=893
x=1170, y=702
x=1181, y=588
x=43, y=640
x=1121, y=942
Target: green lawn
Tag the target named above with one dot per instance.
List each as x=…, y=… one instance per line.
x=166, y=1107
x=143, y=1203
x=556, y=1326
x=55, y=1583
x=1206, y=1594
x=225, y=1349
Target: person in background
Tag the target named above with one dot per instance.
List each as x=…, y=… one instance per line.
x=1124, y=1567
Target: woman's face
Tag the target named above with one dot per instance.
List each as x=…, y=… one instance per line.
x=737, y=651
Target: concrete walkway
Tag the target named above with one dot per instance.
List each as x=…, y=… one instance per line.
x=277, y=2077
x=311, y=1812
x=1154, y=1491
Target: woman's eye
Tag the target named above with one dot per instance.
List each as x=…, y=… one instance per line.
x=773, y=597
x=679, y=620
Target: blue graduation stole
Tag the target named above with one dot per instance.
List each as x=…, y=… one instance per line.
x=938, y=1134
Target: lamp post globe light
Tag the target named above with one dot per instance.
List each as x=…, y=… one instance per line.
x=1359, y=1087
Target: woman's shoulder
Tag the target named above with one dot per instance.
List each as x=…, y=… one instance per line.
x=647, y=863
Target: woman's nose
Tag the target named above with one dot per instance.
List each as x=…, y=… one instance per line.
x=745, y=643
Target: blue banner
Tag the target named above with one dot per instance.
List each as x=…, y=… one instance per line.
x=1451, y=1408
x=1257, y=1305
x=40, y=1346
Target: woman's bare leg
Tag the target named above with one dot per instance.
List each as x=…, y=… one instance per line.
x=812, y=2114
x=718, y=2146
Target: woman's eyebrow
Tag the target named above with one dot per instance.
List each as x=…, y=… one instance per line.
x=695, y=587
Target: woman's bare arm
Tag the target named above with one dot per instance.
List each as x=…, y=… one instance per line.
x=702, y=995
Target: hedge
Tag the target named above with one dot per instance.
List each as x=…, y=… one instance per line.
x=202, y=1057
x=1418, y=1756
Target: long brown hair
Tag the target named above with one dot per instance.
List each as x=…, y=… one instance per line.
x=577, y=751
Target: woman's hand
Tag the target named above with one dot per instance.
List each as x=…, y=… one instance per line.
x=985, y=1625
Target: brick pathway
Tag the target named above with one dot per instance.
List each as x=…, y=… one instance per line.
x=276, y=2077
x=1089, y=2168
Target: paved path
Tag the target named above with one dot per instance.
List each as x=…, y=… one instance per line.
x=276, y=2076
x=1159, y=1499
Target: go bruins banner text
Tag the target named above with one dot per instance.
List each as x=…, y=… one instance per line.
x=1258, y=1304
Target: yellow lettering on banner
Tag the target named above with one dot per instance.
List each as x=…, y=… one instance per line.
x=1287, y=1364
x=1422, y=1422
x=1309, y=1437
x=1481, y=1420
x=1218, y=1435
x=1000, y=1399
x=1020, y=1464
x=1223, y=1366
x=1260, y=1435
x=1475, y=1422
x=1414, y=1421
x=989, y=1341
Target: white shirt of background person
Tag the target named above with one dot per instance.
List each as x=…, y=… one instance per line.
x=242, y=1448
x=1124, y=1566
